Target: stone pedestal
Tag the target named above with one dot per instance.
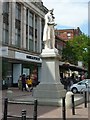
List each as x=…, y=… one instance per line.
x=50, y=90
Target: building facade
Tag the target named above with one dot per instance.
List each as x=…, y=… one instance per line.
x=21, y=31
x=59, y=44
x=67, y=34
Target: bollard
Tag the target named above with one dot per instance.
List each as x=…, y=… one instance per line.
x=35, y=110
x=63, y=109
x=73, y=105
x=5, y=108
x=85, y=99
x=23, y=114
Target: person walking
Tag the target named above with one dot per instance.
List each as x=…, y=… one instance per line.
x=29, y=83
x=24, y=82
x=20, y=82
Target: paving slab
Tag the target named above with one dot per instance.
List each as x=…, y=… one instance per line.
x=44, y=112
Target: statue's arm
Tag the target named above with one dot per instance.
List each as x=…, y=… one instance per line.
x=50, y=23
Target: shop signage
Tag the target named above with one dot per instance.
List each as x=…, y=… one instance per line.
x=27, y=57
x=33, y=57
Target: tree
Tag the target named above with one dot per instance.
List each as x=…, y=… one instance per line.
x=89, y=58
x=76, y=50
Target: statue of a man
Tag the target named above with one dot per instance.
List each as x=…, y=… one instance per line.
x=49, y=35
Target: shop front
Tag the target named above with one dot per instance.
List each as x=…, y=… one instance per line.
x=21, y=64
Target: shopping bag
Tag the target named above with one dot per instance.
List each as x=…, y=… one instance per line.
x=27, y=87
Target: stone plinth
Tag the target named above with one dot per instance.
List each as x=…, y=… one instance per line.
x=50, y=90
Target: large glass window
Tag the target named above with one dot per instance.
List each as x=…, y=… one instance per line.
x=42, y=29
x=17, y=37
x=30, y=31
x=35, y=26
x=31, y=44
x=5, y=35
x=5, y=7
x=18, y=11
x=18, y=24
x=36, y=33
x=30, y=19
x=26, y=28
x=5, y=32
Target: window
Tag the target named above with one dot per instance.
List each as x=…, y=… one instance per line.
x=18, y=24
x=42, y=29
x=18, y=11
x=17, y=37
x=5, y=34
x=30, y=19
x=5, y=7
x=31, y=44
x=69, y=37
x=58, y=33
x=68, y=34
x=36, y=45
x=27, y=16
x=35, y=26
x=31, y=31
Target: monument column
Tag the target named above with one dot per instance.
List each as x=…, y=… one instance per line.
x=50, y=90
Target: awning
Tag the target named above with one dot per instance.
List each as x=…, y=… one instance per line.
x=72, y=67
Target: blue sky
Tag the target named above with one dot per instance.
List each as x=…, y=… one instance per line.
x=69, y=13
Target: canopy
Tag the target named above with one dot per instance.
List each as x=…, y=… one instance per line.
x=72, y=67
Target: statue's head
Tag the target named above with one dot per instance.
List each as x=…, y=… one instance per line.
x=51, y=11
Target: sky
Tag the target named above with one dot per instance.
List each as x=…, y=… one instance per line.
x=69, y=14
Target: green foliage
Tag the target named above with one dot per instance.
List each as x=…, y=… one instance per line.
x=89, y=57
x=77, y=50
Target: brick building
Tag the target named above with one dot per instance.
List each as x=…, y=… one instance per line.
x=59, y=44
x=67, y=34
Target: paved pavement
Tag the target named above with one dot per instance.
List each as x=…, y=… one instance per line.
x=53, y=112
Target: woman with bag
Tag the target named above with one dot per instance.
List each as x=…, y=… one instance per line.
x=29, y=83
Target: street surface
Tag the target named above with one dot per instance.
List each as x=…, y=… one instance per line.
x=53, y=112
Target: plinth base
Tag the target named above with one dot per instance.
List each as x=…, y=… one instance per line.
x=49, y=94
x=50, y=90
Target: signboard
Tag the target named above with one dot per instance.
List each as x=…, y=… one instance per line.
x=27, y=57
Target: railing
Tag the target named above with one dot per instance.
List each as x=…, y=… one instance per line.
x=23, y=115
x=23, y=112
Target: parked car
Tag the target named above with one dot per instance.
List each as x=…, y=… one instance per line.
x=83, y=85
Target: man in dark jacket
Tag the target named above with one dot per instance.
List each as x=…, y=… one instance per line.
x=24, y=82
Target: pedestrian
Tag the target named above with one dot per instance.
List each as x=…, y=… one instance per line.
x=24, y=82
x=34, y=77
x=29, y=83
x=20, y=82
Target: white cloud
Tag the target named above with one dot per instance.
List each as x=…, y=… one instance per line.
x=72, y=13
